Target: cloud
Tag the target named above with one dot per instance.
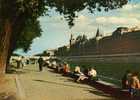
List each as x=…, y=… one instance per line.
x=127, y=16
x=130, y=10
x=135, y=15
x=131, y=7
x=83, y=26
x=52, y=19
x=117, y=20
x=101, y=20
x=82, y=18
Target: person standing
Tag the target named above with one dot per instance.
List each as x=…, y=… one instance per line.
x=22, y=61
x=40, y=62
x=18, y=62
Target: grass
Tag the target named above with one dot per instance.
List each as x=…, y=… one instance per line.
x=114, y=71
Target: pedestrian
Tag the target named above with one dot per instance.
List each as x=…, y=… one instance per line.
x=27, y=61
x=18, y=62
x=40, y=62
x=22, y=61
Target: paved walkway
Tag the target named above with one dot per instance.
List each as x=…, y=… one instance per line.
x=8, y=87
x=47, y=85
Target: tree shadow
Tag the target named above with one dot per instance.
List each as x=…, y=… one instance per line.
x=70, y=80
x=14, y=70
x=11, y=69
x=62, y=84
x=31, y=70
x=53, y=71
x=5, y=96
x=114, y=94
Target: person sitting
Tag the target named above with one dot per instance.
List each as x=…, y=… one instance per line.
x=59, y=68
x=83, y=76
x=134, y=85
x=77, y=72
x=66, y=69
x=54, y=64
x=126, y=79
x=92, y=74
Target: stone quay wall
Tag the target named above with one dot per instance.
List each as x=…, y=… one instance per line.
x=112, y=58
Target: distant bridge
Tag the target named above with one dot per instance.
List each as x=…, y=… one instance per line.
x=31, y=57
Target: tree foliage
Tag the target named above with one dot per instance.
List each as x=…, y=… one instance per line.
x=31, y=30
x=69, y=8
x=24, y=13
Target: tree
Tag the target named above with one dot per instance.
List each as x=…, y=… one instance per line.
x=30, y=31
x=15, y=14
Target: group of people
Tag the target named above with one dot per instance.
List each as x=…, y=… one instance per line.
x=130, y=79
x=77, y=74
x=42, y=62
x=131, y=82
x=21, y=62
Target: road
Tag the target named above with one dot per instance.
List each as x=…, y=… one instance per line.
x=47, y=85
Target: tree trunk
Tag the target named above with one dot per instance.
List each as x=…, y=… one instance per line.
x=5, y=45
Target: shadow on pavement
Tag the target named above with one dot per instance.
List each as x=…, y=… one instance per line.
x=14, y=70
x=31, y=70
x=100, y=93
x=62, y=84
x=96, y=92
x=50, y=70
x=70, y=80
x=5, y=96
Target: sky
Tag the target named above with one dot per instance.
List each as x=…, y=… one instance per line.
x=56, y=32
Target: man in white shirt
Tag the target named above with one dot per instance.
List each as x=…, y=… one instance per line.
x=92, y=73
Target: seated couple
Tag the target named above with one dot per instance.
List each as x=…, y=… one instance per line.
x=88, y=74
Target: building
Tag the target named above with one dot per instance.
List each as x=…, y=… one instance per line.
x=124, y=41
x=72, y=40
x=98, y=35
x=51, y=52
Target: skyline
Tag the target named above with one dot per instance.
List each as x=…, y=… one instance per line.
x=56, y=32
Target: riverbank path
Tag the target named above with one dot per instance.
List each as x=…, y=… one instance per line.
x=48, y=85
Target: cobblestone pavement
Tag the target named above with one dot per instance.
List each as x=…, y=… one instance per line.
x=47, y=85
